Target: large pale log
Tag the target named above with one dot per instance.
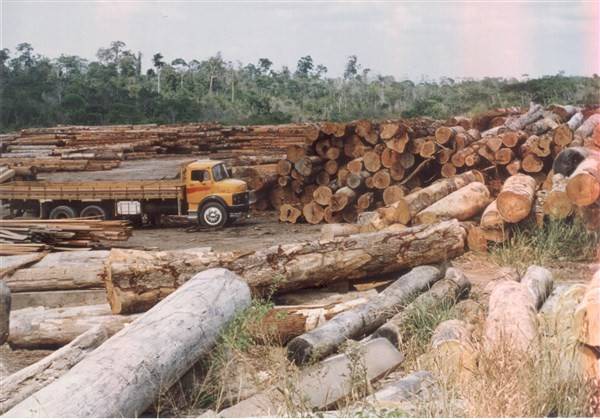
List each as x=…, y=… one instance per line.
x=42, y=328
x=71, y=277
x=515, y=200
x=453, y=349
x=539, y=282
x=586, y=129
x=5, y=303
x=25, y=382
x=491, y=217
x=511, y=324
x=136, y=280
x=583, y=187
x=557, y=204
x=587, y=314
x=362, y=320
x=462, y=204
x=406, y=208
x=167, y=341
x=443, y=293
x=10, y=264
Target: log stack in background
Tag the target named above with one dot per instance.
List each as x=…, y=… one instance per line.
x=364, y=166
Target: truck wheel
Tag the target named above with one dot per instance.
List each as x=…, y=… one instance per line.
x=213, y=214
x=94, y=211
x=62, y=211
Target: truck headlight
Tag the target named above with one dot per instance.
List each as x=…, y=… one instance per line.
x=240, y=198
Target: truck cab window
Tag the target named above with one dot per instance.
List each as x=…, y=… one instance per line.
x=200, y=175
x=220, y=172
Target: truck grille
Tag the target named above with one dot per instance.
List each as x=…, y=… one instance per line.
x=241, y=198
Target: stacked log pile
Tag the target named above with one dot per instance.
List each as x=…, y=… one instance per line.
x=363, y=166
x=24, y=236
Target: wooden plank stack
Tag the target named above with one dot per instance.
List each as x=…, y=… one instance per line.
x=24, y=236
x=362, y=166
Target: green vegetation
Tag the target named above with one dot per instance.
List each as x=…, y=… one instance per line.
x=42, y=91
x=557, y=240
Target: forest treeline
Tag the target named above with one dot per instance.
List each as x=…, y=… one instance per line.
x=40, y=91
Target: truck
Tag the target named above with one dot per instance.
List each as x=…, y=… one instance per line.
x=204, y=191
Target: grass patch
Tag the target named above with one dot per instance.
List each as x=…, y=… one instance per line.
x=556, y=240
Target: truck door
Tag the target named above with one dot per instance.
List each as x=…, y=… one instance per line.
x=198, y=186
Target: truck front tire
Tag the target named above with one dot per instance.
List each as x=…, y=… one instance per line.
x=62, y=211
x=94, y=211
x=213, y=214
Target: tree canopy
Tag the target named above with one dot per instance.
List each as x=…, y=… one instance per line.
x=41, y=91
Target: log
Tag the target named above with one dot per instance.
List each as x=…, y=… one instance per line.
x=372, y=161
x=25, y=382
x=361, y=320
x=513, y=167
x=382, y=179
x=356, y=180
x=392, y=194
x=284, y=323
x=515, y=200
x=10, y=264
x=569, y=159
x=331, y=231
x=534, y=113
x=532, y=164
x=462, y=204
x=587, y=314
x=491, y=218
x=562, y=135
x=55, y=278
x=453, y=349
x=313, y=213
x=322, y=195
x=331, y=167
x=406, y=208
x=445, y=134
x=511, y=324
x=443, y=293
x=284, y=167
x=398, y=143
x=342, y=198
x=5, y=304
x=364, y=201
x=167, y=340
x=136, y=280
x=586, y=129
x=557, y=204
x=289, y=213
x=294, y=153
x=504, y=156
x=539, y=282
x=355, y=166
x=42, y=328
x=365, y=130
x=583, y=187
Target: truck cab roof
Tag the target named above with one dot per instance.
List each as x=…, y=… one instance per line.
x=203, y=164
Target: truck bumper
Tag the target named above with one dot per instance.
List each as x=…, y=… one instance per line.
x=237, y=211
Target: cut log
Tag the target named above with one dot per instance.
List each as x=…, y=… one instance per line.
x=513, y=138
x=491, y=218
x=322, y=195
x=534, y=113
x=342, y=198
x=448, y=170
x=365, y=130
x=583, y=187
x=289, y=213
x=168, y=340
x=5, y=304
x=382, y=179
x=398, y=143
x=372, y=161
x=462, y=204
x=390, y=130
x=355, y=166
x=25, y=382
x=331, y=231
x=332, y=217
x=356, y=181
x=511, y=324
x=308, y=165
x=557, y=204
x=361, y=320
x=54, y=278
x=337, y=129
x=539, y=282
x=445, y=134
x=313, y=213
x=284, y=167
x=443, y=293
x=41, y=328
x=532, y=164
x=331, y=167
x=586, y=129
x=354, y=147
x=294, y=153
x=568, y=159
x=392, y=194
x=364, y=201
x=587, y=314
x=515, y=201
x=504, y=156
x=10, y=264
x=406, y=208
x=513, y=167
x=453, y=349
x=562, y=135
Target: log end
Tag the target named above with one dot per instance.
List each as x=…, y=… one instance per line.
x=300, y=351
x=583, y=189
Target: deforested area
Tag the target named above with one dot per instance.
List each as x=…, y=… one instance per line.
x=402, y=222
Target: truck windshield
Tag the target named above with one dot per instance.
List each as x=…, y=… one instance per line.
x=220, y=172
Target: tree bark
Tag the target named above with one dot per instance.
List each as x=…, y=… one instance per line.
x=516, y=198
x=443, y=293
x=5, y=303
x=586, y=129
x=583, y=187
x=539, y=283
x=534, y=113
x=362, y=320
x=462, y=204
x=167, y=341
x=25, y=382
x=10, y=264
x=42, y=328
x=84, y=276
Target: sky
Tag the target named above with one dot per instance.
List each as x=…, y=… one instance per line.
x=412, y=39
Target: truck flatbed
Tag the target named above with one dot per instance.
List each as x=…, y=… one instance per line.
x=128, y=190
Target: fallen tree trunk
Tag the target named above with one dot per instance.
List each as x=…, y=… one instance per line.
x=443, y=293
x=10, y=264
x=42, y=328
x=511, y=324
x=54, y=278
x=167, y=341
x=137, y=280
x=25, y=382
x=362, y=320
x=462, y=204
x=515, y=200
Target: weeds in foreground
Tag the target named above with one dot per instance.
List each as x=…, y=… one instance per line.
x=556, y=240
